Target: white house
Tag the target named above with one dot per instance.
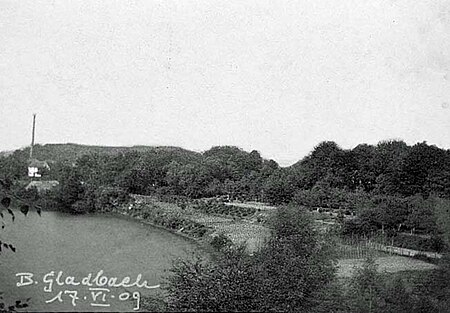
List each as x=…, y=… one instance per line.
x=35, y=167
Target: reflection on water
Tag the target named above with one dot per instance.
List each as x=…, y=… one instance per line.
x=80, y=247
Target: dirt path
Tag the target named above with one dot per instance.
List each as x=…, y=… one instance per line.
x=255, y=205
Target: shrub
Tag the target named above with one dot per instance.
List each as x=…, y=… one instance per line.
x=79, y=207
x=288, y=274
x=220, y=242
x=108, y=198
x=216, y=207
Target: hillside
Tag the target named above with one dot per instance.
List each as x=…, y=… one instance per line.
x=70, y=152
x=6, y=153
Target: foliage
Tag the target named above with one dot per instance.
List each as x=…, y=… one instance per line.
x=19, y=304
x=331, y=198
x=295, y=265
x=278, y=188
x=161, y=216
x=288, y=274
x=9, y=200
x=390, y=214
x=70, y=190
x=391, y=187
x=442, y=217
x=388, y=168
x=199, y=285
x=365, y=289
x=374, y=292
x=220, y=242
x=219, y=208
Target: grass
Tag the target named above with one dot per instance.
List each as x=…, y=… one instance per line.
x=388, y=264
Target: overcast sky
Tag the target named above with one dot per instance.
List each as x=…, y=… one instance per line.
x=275, y=76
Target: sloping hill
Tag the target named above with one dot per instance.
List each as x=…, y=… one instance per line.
x=6, y=153
x=70, y=152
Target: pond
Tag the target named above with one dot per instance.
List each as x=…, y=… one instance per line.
x=92, y=254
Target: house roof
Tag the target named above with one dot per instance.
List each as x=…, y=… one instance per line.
x=38, y=164
x=42, y=185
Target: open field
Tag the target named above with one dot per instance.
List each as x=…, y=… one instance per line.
x=389, y=264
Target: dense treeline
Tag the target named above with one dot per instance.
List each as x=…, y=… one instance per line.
x=389, y=186
x=389, y=168
x=218, y=171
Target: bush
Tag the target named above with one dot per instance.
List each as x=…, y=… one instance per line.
x=297, y=259
x=219, y=208
x=414, y=292
x=108, y=198
x=80, y=207
x=288, y=274
x=48, y=201
x=433, y=243
x=199, y=285
x=220, y=242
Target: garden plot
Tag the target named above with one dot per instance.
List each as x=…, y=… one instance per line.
x=242, y=232
x=242, y=225
x=238, y=231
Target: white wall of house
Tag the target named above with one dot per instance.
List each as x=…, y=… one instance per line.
x=33, y=172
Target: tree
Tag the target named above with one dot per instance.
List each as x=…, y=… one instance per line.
x=365, y=289
x=388, y=161
x=374, y=292
x=70, y=191
x=366, y=172
x=421, y=160
x=278, y=188
x=221, y=286
x=13, y=166
x=7, y=200
x=191, y=180
x=287, y=274
x=295, y=265
x=442, y=218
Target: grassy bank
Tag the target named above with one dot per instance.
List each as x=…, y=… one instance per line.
x=190, y=220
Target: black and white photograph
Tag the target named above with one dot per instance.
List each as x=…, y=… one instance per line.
x=225, y=156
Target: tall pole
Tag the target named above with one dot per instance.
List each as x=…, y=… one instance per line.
x=32, y=136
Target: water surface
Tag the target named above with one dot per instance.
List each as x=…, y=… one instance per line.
x=77, y=246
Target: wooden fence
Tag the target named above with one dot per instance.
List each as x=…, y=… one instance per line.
x=362, y=247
